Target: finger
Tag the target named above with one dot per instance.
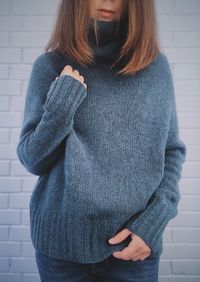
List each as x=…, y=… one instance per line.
x=125, y=254
x=67, y=70
x=81, y=78
x=143, y=258
x=76, y=72
x=68, y=67
x=119, y=236
x=147, y=255
x=141, y=245
x=136, y=251
x=140, y=255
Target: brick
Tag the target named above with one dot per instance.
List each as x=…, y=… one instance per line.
x=17, y=104
x=164, y=7
x=186, y=219
x=8, y=152
x=9, y=217
x=28, y=7
x=4, y=136
x=9, y=119
x=37, y=23
x=19, y=201
x=180, y=251
x=15, y=134
x=28, y=184
x=167, y=38
x=4, y=103
x=185, y=235
x=187, y=39
x=4, y=265
x=10, y=277
x=4, y=39
x=8, y=185
x=17, y=169
x=183, y=55
x=24, y=265
x=30, y=54
x=187, y=87
x=31, y=278
x=189, y=203
x=164, y=267
x=191, y=169
x=5, y=7
x=176, y=278
x=179, y=22
x=28, y=249
x=3, y=201
x=20, y=233
x=190, y=186
x=8, y=55
x=30, y=39
x=4, y=233
x=20, y=71
x=186, y=104
x=10, y=23
x=4, y=168
x=26, y=217
x=10, y=87
x=25, y=28
x=186, y=23
x=9, y=249
x=192, y=137
x=187, y=7
x=189, y=120
x=4, y=71
x=188, y=72
x=186, y=267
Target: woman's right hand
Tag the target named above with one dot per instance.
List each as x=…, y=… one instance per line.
x=68, y=70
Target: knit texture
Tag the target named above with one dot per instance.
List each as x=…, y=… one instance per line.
x=108, y=157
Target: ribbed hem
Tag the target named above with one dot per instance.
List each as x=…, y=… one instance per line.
x=65, y=95
x=71, y=238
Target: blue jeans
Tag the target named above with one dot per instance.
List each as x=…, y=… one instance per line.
x=111, y=269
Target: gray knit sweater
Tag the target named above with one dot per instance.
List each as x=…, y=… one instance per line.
x=108, y=157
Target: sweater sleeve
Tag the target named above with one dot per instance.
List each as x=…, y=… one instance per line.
x=48, y=116
x=149, y=224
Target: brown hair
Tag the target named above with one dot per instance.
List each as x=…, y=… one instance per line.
x=140, y=46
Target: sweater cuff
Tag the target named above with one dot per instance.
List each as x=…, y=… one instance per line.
x=150, y=223
x=65, y=95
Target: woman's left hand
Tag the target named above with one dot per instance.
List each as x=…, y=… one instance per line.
x=137, y=249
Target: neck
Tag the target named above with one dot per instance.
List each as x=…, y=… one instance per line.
x=110, y=36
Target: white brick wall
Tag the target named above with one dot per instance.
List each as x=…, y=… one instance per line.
x=25, y=27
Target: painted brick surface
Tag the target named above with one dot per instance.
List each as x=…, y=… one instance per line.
x=25, y=27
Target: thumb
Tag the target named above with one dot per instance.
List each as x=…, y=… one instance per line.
x=120, y=236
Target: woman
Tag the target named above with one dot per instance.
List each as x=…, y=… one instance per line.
x=100, y=130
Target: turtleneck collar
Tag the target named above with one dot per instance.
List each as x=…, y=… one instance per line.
x=110, y=37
